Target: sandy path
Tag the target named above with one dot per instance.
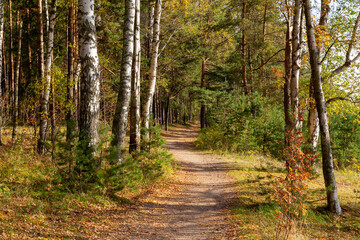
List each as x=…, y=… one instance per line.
x=193, y=206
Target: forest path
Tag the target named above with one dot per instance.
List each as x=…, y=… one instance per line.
x=195, y=204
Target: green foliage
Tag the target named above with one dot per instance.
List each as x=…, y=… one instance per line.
x=101, y=173
x=345, y=132
x=239, y=123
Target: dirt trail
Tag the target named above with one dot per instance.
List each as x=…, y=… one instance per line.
x=193, y=206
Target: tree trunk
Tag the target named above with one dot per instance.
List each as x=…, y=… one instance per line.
x=11, y=62
x=328, y=165
x=89, y=77
x=287, y=78
x=135, y=86
x=296, y=65
x=203, y=107
x=2, y=15
x=70, y=115
x=44, y=109
x=243, y=51
x=16, y=83
x=123, y=101
x=153, y=68
x=167, y=112
x=313, y=120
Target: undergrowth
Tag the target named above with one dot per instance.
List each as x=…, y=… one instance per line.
x=36, y=189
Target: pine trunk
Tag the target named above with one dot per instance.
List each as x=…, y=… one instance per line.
x=16, y=83
x=203, y=108
x=70, y=115
x=123, y=101
x=1, y=64
x=287, y=78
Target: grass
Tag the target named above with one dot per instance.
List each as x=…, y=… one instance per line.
x=256, y=211
x=33, y=204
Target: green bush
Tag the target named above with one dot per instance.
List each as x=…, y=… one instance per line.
x=345, y=139
x=241, y=123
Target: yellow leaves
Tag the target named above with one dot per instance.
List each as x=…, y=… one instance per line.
x=323, y=39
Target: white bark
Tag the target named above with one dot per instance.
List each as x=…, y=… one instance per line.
x=153, y=68
x=89, y=76
x=327, y=158
x=46, y=91
x=296, y=65
x=135, y=85
x=123, y=101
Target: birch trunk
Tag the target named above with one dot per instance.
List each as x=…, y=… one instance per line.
x=153, y=69
x=1, y=64
x=296, y=65
x=16, y=83
x=313, y=120
x=44, y=108
x=89, y=76
x=328, y=164
x=123, y=101
x=135, y=85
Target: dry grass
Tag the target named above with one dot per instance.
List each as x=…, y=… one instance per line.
x=256, y=210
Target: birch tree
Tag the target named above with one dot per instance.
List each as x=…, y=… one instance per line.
x=44, y=109
x=296, y=64
x=135, y=86
x=89, y=77
x=153, y=68
x=327, y=158
x=123, y=100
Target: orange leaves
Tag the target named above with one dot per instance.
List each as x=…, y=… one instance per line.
x=291, y=190
x=323, y=38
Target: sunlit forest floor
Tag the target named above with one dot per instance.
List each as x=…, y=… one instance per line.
x=256, y=212
x=31, y=207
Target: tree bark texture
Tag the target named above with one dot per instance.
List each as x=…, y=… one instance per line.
x=203, y=107
x=89, y=76
x=2, y=15
x=296, y=66
x=153, y=68
x=328, y=164
x=16, y=83
x=313, y=119
x=123, y=101
x=135, y=86
x=70, y=115
x=287, y=78
x=44, y=108
x=243, y=51
x=11, y=62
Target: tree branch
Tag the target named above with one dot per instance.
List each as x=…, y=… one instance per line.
x=263, y=64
